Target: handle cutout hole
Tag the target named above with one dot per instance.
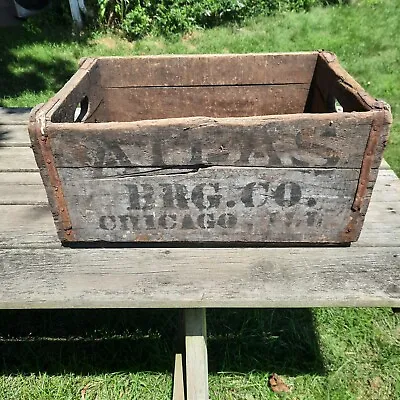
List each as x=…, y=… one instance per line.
x=338, y=106
x=81, y=110
x=333, y=104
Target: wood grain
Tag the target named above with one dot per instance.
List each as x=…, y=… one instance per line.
x=14, y=136
x=178, y=391
x=17, y=159
x=196, y=354
x=84, y=84
x=306, y=141
x=14, y=116
x=288, y=277
x=135, y=104
x=33, y=226
x=214, y=204
x=208, y=69
x=27, y=226
x=22, y=188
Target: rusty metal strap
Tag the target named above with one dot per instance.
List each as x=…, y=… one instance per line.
x=368, y=159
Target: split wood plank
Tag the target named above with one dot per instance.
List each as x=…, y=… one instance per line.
x=179, y=381
x=196, y=354
x=207, y=69
x=178, y=277
x=302, y=141
x=134, y=104
x=14, y=135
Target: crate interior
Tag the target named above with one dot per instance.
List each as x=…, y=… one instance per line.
x=146, y=88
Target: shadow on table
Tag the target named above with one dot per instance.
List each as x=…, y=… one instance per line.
x=96, y=341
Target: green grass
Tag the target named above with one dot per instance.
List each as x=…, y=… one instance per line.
x=128, y=354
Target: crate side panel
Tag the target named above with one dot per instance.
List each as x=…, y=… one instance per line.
x=213, y=204
x=307, y=141
x=329, y=85
x=82, y=91
x=245, y=69
x=134, y=104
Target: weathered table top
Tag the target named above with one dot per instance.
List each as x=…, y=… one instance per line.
x=36, y=272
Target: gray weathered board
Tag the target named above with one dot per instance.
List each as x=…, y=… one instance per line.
x=215, y=203
x=191, y=149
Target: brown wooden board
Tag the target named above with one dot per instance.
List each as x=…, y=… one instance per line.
x=210, y=204
x=134, y=104
x=209, y=69
x=337, y=140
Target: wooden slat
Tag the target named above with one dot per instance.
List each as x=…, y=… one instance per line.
x=14, y=136
x=18, y=159
x=197, y=70
x=216, y=204
x=179, y=387
x=22, y=188
x=174, y=277
x=27, y=226
x=303, y=141
x=14, y=116
x=196, y=354
x=134, y=104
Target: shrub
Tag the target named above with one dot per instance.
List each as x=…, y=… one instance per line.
x=136, y=18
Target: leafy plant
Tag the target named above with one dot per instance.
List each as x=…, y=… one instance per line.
x=169, y=17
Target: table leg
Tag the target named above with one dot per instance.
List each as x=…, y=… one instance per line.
x=191, y=371
x=196, y=354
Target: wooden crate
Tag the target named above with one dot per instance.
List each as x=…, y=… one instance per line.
x=255, y=148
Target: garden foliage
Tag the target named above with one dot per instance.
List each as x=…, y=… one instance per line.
x=138, y=18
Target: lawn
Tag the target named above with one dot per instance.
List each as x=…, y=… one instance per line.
x=128, y=354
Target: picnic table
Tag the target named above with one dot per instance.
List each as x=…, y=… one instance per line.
x=37, y=272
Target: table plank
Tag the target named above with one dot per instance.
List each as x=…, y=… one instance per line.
x=14, y=116
x=22, y=188
x=14, y=136
x=17, y=159
x=213, y=277
x=27, y=226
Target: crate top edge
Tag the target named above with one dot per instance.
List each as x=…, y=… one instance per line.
x=205, y=55
x=245, y=120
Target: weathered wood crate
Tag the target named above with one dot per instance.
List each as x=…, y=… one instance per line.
x=255, y=148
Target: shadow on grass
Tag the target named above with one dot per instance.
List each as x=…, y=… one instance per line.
x=98, y=341
x=33, y=70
